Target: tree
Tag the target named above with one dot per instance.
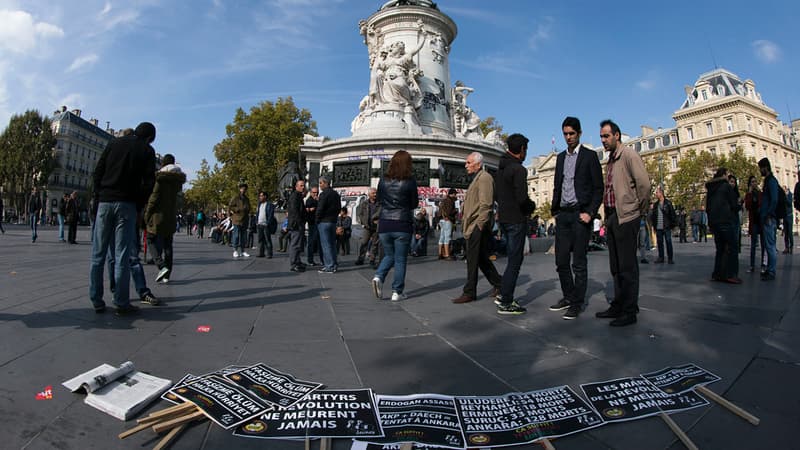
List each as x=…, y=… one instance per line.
x=543, y=211
x=259, y=143
x=490, y=124
x=207, y=189
x=26, y=154
x=742, y=166
x=687, y=186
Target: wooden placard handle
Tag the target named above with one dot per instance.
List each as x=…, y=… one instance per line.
x=406, y=446
x=158, y=428
x=169, y=437
x=134, y=430
x=168, y=412
x=733, y=408
x=325, y=444
x=547, y=444
x=678, y=432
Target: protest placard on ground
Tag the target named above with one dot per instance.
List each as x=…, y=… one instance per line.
x=674, y=380
x=222, y=401
x=277, y=388
x=429, y=419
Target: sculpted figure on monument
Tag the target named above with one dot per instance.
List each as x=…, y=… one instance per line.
x=427, y=3
x=394, y=75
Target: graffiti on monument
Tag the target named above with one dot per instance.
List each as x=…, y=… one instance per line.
x=351, y=173
x=430, y=99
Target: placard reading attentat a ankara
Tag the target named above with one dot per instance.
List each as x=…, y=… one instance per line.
x=520, y=418
x=222, y=401
x=429, y=419
x=634, y=398
x=334, y=414
x=674, y=380
x=277, y=388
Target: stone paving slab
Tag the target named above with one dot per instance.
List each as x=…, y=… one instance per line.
x=331, y=329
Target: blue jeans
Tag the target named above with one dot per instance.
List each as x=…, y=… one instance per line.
x=769, y=228
x=116, y=221
x=238, y=238
x=60, y=228
x=395, y=254
x=419, y=246
x=137, y=271
x=327, y=240
x=515, y=247
x=34, y=226
x=695, y=232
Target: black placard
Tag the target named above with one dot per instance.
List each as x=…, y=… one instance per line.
x=222, y=401
x=277, y=388
x=674, y=380
x=429, y=419
x=333, y=414
x=170, y=395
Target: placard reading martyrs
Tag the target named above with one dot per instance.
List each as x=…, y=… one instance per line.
x=423, y=418
x=520, y=418
x=222, y=401
x=674, y=380
x=277, y=388
x=334, y=414
x=634, y=398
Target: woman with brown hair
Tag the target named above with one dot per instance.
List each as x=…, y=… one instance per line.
x=397, y=194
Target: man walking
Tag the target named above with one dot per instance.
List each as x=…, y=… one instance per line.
x=513, y=209
x=663, y=218
x=577, y=194
x=240, y=216
x=312, y=244
x=266, y=225
x=477, y=229
x=328, y=208
x=123, y=177
x=768, y=215
x=34, y=212
x=160, y=215
x=625, y=197
x=71, y=213
x=296, y=225
x=368, y=213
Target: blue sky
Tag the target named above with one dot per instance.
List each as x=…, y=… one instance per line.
x=187, y=65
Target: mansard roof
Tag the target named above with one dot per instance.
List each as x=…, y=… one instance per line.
x=719, y=83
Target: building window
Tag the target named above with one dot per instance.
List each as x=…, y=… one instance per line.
x=729, y=123
x=713, y=151
x=674, y=162
x=720, y=90
x=638, y=147
x=689, y=133
x=760, y=127
x=733, y=148
x=651, y=143
x=749, y=124
x=709, y=129
x=666, y=140
x=705, y=94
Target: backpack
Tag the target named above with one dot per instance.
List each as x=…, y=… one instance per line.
x=200, y=217
x=780, y=208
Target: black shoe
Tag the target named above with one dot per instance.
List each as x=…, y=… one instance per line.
x=126, y=310
x=100, y=309
x=659, y=261
x=767, y=276
x=572, y=313
x=623, y=320
x=671, y=261
x=313, y=264
x=359, y=262
x=260, y=256
x=610, y=313
x=644, y=261
x=298, y=269
x=560, y=306
x=269, y=256
x=150, y=299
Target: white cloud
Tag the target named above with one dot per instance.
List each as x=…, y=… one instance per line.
x=542, y=34
x=766, y=51
x=82, y=61
x=21, y=33
x=649, y=82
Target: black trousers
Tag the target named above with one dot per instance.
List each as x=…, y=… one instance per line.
x=572, y=240
x=72, y=231
x=622, y=244
x=264, y=241
x=161, y=249
x=369, y=242
x=478, y=258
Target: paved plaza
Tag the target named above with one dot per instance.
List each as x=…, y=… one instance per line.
x=330, y=329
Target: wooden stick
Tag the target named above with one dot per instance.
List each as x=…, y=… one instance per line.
x=169, y=437
x=547, y=444
x=733, y=408
x=134, y=430
x=325, y=444
x=407, y=446
x=161, y=417
x=678, y=432
x=308, y=444
x=164, y=426
x=169, y=411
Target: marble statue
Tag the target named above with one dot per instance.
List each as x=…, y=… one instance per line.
x=394, y=75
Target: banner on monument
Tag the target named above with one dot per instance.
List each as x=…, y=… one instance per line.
x=278, y=388
x=678, y=379
x=222, y=401
x=428, y=419
x=635, y=398
x=520, y=418
x=323, y=414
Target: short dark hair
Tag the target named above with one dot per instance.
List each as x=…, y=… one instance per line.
x=516, y=142
x=573, y=123
x=344, y=210
x=614, y=127
x=720, y=172
x=168, y=159
x=764, y=162
x=243, y=185
x=750, y=179
x=452, y=191
x=263, y=192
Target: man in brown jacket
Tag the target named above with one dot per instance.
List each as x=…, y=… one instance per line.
x=240, y=216
x=626, y=196
x=477, y=229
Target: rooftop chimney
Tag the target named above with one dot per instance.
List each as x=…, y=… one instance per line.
x=77, y=112
x=93, y=121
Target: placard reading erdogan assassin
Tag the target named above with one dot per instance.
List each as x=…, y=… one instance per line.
x=674, y=380
x=520, y=418
x=334, y=414
x=277, y=388
x=429, y=419
x=222, y=401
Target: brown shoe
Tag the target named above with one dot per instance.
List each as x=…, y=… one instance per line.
x=463, y=299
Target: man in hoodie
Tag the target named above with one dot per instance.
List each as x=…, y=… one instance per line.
x=513, y=209
x=240, y=216
x=160, y=214
x=122, y=180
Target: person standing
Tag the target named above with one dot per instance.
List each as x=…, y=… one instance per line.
x=476, y=227
x=160, y=215
x=266, y=225
x=397, y=194
x=721, y=206
x=626, y=196
x=122, y=180
x=703, y=224
x=201, y=223
x=751, y=201
x=328, y=208
x=577, y=194
x=695, y=219
x=239, y=207
x=419, y=241
x=344, y=229
x=663, y=218
x=295, y=208
x=312, y=244
x=767, y=213
x=283, y=239
x=367, y=214
x=71, y=212
x=1, y=215
x=682, y=226
x=62, y=211
x=34, y=212
x=788, y=234
x=513, y=208
x=447, y=211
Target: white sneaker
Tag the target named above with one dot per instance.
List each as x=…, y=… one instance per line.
x=165, y=280
x=397, y=296
x=245, y=255
x=377, y=286
x=161, y=274
x=235, y=254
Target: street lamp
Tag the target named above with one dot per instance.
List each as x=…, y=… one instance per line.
x=661, y=170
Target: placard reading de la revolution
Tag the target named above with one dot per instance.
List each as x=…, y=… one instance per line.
x=674, y=380
x=334, y=414
x=222, y=401
x=422, y=418
x=277, y=388
x=520, y=418
x=634, y=398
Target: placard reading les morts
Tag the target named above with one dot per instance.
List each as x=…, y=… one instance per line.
x=222, y=401
x=520, y=418
x=335, y=414
x=635, y=398
x=275, y=387
x=422, y=418
x=674, y=380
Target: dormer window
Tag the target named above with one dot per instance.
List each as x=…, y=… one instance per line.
x=704, y=93
x=720, y=90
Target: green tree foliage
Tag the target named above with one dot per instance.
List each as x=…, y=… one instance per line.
x=259, y=143
x=26, y=155
x=490, y=124
x=740, y=165
x=543, y=211
x=207, y=189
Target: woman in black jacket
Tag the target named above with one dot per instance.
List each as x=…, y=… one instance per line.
x=722, y=207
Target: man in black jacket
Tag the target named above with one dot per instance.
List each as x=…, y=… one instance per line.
x=34, y=213
x=296, y=225
x=328, y=208
x=577, y=194
x=513, y=209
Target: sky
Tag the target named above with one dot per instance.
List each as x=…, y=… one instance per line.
x=187, y=65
